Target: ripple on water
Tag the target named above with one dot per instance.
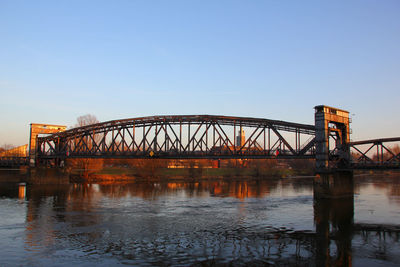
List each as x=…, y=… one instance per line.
x=113, y=225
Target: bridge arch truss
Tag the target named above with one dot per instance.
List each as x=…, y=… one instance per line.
x=383, y=153
x=192, y=136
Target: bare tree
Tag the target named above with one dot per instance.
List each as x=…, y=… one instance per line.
x=86, y=166
x=395, y=149
x=6, y=147
x=85, y=120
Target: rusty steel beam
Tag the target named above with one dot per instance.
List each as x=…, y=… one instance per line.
x=163, y=136
x=383, y=158
x=205, y=136
x=371, y=141
x=222, y=120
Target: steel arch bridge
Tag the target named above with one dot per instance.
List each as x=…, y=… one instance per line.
x=376, y=154
x=192, y=136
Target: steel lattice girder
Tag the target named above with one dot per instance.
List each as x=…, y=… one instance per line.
x=384, y=157
x=211, y=138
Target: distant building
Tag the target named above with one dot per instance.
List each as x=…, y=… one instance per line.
x=20, y=151
x=240, y=138
x=193, y=163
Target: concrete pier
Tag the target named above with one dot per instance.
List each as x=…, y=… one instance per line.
x=338, y=184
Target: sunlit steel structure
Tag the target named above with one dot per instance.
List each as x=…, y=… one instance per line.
x=214, y=137
x=193, y=136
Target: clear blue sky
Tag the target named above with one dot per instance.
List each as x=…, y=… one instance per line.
x=267, y=59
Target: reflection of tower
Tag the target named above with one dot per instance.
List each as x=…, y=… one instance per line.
x=240, y=139
x=21, y=190
x=333, y=217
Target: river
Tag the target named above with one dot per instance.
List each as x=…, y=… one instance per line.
x=201, y=223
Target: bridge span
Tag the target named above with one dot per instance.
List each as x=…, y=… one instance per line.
x=190, y=136
x=215, y=137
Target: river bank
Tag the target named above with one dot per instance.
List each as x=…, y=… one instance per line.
x=123, y=175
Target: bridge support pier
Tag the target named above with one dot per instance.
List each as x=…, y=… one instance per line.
x=36, y=130
x=339, y=184
x=333, y=219
x=333, y=187
x=331, y=123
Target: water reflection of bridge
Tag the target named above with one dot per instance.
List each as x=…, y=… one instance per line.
x=335, y=240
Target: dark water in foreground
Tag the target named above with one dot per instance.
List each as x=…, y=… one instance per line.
x=264, y=222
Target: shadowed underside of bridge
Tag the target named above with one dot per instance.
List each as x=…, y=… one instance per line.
x=194, y=136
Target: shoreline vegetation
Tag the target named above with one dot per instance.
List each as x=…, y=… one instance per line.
x=91, y=170
x=120, y=174
x=159, y=170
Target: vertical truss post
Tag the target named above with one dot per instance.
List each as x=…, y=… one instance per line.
x=188, y=145
x=155, y=138
x=208, y=126
x=269, y=140
x=265, y=141
x=144, y=139
x=180, y=135
x=213, y=134
x=112, y=140
x=135, y=145
x=123, y=140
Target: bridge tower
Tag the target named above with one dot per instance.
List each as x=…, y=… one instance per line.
x=331, y=123
x=36, y=129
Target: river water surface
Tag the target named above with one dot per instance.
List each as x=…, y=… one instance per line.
x=219, y=222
